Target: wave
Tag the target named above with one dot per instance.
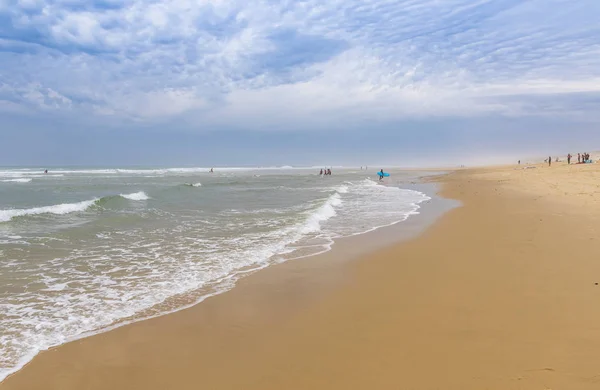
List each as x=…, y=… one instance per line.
x=193, y=185
x=136, y=196
x=67, y=208
x=148, y=171
x=22, y=180
x=343, y=189
x=323, y=213
x=59, y=209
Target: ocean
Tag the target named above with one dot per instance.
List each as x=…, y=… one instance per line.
x=85, y=250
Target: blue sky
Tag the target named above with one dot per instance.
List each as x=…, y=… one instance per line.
x=209, y=82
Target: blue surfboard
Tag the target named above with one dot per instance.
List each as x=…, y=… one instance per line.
x=384, y=174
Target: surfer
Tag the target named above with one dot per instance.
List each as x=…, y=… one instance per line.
x=211, y=170
x=381, y=175
x=46, y=171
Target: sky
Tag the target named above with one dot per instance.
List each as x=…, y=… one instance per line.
x=283, y=82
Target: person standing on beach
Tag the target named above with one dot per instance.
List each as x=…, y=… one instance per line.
x=549, y=161
x=569, y=158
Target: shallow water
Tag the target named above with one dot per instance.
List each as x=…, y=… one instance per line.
x=85, y=249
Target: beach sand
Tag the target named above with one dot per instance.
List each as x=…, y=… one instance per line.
x=500, y=293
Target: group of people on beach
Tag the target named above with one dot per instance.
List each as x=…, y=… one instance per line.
x=582, y=158
x=325, y=172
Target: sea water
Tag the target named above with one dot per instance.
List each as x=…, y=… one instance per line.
x=84, y=250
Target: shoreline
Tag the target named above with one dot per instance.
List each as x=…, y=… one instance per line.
x=500, y=293
x=350, y=247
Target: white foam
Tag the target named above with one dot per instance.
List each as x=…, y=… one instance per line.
x=21, y=180
x=323, y=213
x=373, y=206
x=136, y=196
x=343, y=189
x=59, y=209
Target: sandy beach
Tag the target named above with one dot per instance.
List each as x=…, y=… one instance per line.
x=500, y=293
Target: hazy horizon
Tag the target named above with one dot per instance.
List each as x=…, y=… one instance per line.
x=214, y=83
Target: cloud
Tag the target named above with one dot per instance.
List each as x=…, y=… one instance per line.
x=284, y=63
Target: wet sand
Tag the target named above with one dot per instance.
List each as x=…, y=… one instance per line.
x=500, y=293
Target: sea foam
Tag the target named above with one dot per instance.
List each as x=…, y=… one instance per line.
x=323, y=213
x=59, y=209
x=21, y=180
x=136, y=196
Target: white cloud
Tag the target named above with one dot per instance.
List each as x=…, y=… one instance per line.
x=228, y=62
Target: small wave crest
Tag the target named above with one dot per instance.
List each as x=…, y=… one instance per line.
x=323, y=213
x=22, y=180
x=59, y=209
x=193, y=184
x=343, y=189
x=136, y=196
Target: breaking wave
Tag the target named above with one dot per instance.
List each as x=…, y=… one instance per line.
x=136, y=196
x=21, y=180
x=59, y=209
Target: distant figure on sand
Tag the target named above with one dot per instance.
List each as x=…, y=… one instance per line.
x=549, y=161
x=519, y=162
x=569, y=158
